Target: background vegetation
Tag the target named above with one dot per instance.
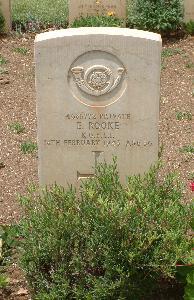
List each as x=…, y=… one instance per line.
x=2, y=20
x=37, y=14
x=153, y=15
x=156, y=15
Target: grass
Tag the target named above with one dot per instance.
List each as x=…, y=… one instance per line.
x=16, y=127
x=189, y=65
x=191, y=176
x=184, y=116
x=3, y=61
x=170, y=52
x=28, y=147
x=21, y=50
x=187, y=149
x=163, y=65
x=3, y=71
x=4, y=281
x=41, y=13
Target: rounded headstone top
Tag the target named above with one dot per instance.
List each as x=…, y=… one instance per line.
x=110, y=31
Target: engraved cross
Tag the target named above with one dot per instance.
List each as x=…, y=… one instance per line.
x=97, y=156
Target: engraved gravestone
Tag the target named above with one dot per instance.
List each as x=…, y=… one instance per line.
x=84, y=8
x=5, y=7
x=97, y=97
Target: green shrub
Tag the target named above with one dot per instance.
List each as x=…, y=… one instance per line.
x=98, y=21
x=156, y=15
x=189, y=290
x=8, y=243
x=8, y=239
x=107, y=241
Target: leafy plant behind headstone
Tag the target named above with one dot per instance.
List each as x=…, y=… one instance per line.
x=190, y=27
x=98, y=21
x=156, y=15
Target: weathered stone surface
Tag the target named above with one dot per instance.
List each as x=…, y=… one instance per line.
x=5, y=6
x=98, y=95
x=84, y=8
x=189, y=10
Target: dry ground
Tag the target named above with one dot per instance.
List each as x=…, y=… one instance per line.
x=17, y=104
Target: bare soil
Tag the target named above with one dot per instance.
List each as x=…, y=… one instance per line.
x=17, y=104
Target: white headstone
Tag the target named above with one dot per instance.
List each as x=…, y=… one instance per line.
x=84, y=8
x=5, y=7
x=189, y=10
x=98, y=93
